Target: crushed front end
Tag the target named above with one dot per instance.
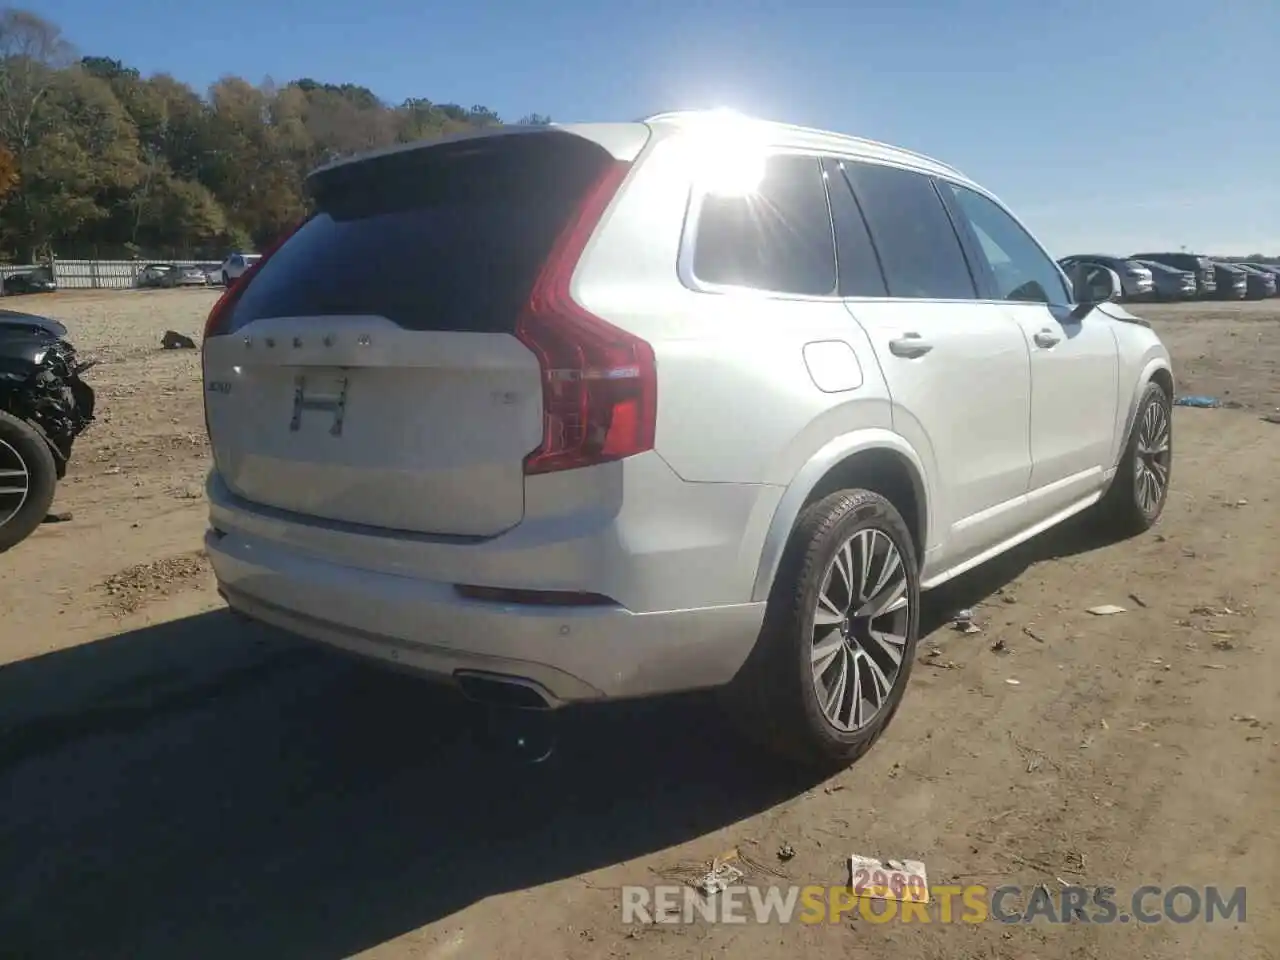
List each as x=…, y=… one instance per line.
x=40, y=381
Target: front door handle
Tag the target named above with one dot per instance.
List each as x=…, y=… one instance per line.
x=1047, y=338
x=910, y=345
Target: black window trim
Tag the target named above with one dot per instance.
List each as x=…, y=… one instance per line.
x=839, y=163
x=932, y=177
x=979, y=268
x=987, y=288
x=689, y=237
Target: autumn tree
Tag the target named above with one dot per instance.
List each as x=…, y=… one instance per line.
x=98, y=160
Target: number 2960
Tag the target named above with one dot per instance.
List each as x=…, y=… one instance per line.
x=901, y=881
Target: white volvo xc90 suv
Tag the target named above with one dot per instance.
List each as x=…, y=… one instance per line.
x=612, y=410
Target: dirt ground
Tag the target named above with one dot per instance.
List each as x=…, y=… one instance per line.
x=175, y=784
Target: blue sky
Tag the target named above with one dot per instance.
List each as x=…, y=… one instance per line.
x=1111, y=126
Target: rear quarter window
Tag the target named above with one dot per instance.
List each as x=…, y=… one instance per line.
x=777, y=238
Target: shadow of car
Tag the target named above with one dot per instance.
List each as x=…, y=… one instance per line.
x=243, y=794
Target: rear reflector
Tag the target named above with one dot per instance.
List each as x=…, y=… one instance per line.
x=533, y=598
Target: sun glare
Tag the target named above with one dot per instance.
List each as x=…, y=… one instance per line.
x=726, y=153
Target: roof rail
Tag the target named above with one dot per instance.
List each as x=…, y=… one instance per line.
x=676, y=114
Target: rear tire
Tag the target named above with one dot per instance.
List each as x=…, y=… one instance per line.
x=1140, y=488
x=28, y=480
x=828, y=672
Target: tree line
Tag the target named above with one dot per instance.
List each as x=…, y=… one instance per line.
x=98, y=161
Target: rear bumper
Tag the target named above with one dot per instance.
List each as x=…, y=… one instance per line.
x=567, y=654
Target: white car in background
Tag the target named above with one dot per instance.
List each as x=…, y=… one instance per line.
x=232, y=267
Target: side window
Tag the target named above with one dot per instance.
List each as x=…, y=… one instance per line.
x=1021, y=271
x=856, y=259
x=776, y=237
x=919, y=250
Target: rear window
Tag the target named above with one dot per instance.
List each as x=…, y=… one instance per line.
x=449, y=237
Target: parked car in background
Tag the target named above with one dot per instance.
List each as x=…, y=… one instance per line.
x=39, y=280
x=1170, y=283
x=154, y=275
x=235, y=265
x=1135, y=279
x=1262, y=283
x=1271, y=268
x=169, y=275
x=44, y=406
x=1233, y=284
x=459, y=469
x=1202, y=267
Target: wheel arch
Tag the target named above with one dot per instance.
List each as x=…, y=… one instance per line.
x=877, y=460
x=1156, y=370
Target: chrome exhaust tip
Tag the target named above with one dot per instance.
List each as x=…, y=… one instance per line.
x=517, y=721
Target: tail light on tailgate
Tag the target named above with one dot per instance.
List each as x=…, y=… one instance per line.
x=599, y=383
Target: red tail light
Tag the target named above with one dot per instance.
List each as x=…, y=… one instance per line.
x=599, y=383
x=215, y=324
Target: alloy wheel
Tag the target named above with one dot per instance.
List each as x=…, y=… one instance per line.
x=860, y=630
x=15, y=482
x=1151, y=460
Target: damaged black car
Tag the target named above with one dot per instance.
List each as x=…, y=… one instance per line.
x=44, y=406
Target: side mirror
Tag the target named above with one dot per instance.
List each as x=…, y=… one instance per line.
x=1093, y=284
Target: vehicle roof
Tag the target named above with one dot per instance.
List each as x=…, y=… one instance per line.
x=617, y=136
x=780, y=134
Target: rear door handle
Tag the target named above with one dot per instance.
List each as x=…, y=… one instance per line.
x=1047, y=338
x=910, y=345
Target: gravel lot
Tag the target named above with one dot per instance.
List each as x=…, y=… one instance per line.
x=179, y=785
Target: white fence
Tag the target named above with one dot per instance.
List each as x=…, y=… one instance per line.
x=99, y=274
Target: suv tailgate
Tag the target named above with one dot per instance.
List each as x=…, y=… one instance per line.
x=368, y=371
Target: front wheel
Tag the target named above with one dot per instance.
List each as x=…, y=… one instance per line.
x=225, y=281
x=1140, y=489
x=28, y=478
x=830, y=667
